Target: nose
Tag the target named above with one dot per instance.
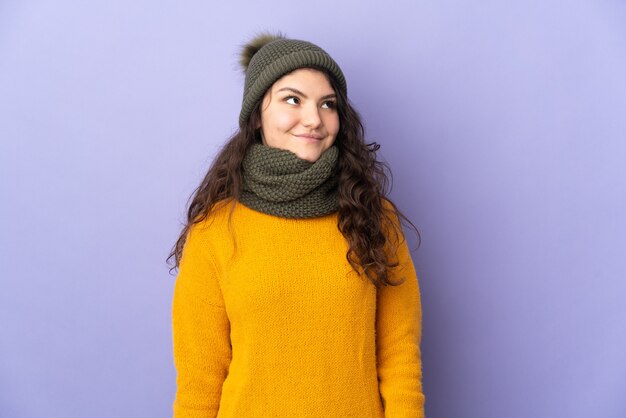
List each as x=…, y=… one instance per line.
x=311, y=116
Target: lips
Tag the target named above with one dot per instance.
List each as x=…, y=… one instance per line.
x=310, y=136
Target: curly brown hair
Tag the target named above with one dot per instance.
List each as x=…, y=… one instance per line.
x=366, y=215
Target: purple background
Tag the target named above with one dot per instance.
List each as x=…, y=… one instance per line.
x=504, y=124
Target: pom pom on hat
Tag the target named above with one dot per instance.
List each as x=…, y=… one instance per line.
x=268, y=57
x=254, y=45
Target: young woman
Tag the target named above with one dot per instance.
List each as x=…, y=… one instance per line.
x=296, y=295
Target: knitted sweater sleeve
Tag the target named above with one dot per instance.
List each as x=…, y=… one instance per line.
x=398, y=337
x=201, y=331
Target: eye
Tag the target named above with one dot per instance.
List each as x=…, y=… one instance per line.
x=292, y=100
x=329, y=104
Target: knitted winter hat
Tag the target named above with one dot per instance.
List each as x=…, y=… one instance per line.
x=267, y=58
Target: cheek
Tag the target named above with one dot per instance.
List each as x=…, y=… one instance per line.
x=332, y=124
x=284, y=120
x=278, y=121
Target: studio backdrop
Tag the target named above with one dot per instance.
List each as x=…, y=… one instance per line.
x=504, y=124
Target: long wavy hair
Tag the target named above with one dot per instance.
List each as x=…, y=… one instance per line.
x=363, y=185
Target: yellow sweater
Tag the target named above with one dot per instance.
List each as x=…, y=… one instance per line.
x=286, y=328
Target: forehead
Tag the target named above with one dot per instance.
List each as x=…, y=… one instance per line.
x=305, y=78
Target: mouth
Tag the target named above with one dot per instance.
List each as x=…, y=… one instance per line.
x=311, y=137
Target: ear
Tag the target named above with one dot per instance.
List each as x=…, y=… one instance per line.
x=265, y=102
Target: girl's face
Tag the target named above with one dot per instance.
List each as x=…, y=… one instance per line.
x=299, y=114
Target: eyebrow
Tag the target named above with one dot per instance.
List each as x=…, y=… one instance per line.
x=298, y=92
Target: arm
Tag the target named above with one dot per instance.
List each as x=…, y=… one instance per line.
x=201, y=332
x=398, y=337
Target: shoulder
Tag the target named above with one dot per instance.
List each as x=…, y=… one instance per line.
x=388, y=204
x=390, y=213
x=214, y=220
x=391, y=224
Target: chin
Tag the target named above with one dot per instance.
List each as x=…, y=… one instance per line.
x=309, y=156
